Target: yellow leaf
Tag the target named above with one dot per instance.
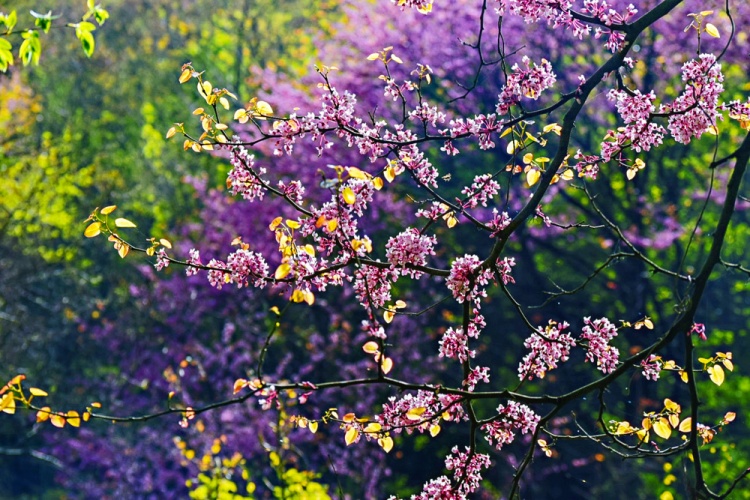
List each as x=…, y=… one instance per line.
x=123, y=250
x=351, y=435
x=282, y=271
x=57, y=420
x=199, y=111
x=221, y=126
x=730, y=416
x=349, y=197
x=728, y=364
x=378, y=183
x=309, y=298
x=309, y=250
x=370, y=347
x=513, y=146
x=108, y=210
x=275, y=223
x=646, y=423
x=293, y=224
x=416, y=413
x=8, y=403
x=331, y=225
x=374, y=56
x=123, y=223
x=648, y=323
x=349, y=417
x=86, y=416
x=386, y=443
x=685, y=425
x=185, y=75
x=674, y=420
x=313, y=427
x=630, y=174
x=373, y=427
x=434, y=430
x=171, y=132
x=264, y=108
x=567, y=174
x=94, y=229
x=356, y=173
x=662, y=428
x=239, y=384
x=642, y=435
x=532, y=176
x=387, y=365
x=224, y=102
x=388, y=316
x=716, y=373
x=671, y=405
x=43, y=414
x=165, y=243
x=400, y=304
x=298, y=296
x=37, y=392
x=712, y=30
x=74, y=419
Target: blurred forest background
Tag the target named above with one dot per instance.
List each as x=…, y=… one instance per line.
x=77, y=133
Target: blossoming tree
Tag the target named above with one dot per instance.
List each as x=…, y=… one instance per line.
x=560, y=138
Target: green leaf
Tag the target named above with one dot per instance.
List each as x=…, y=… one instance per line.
x=10, y=21
x=87, y=42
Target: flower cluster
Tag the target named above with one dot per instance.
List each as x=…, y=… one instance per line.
x=695, y=111
x=548, y=347
x=698, y=329
x=528, y=82
x=455, y=345
x=510, y=420
x=410, y=248
x=467, y=280
x=639, y=132
x=598, y=333
x=555, y=12
x=162, y=259
x=651, y=367
x=482, y=190
x=477, y=374
x=242, y=179
x=467, y=467
x=419, y=412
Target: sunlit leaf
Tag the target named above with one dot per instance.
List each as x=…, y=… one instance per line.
x=662, y=428
x=716, y=373
x=37, y=392
x=43, y=414
x=415, y=413
x=532, y=176
x=282, y=271
x=8, y=403
x=123, y=223
x=123, y=250
x=57, y=420
x=348, y=195
x=386, y=443
x=712, y=30
x=239, y=384
x=185, y=75
x=370, y=347
x=686, y=425
x=373, y=427
x=388, y=316
x=351, y=435
x=94, y=229
x=727, y=364
x=434, y=430
x=671, y=405
x=387, y=365
x=313, y=427
x=108, y=210
x=729, y=417
x=73, y=418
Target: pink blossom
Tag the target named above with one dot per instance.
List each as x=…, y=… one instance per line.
x=651, y=367
x=410, y=247
x=598, y=333
x=482, y=190
x=529, y=82
x=510, y=420
x=548, y=347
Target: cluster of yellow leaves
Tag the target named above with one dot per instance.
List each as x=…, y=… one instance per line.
x=214, y=131
x=664, y=422
x=356, y=426
x=13, y=392
x=714, y=365
x=697, y=24
x=390, y=311
x=284, y=232
x=385, y=56
x=534, y=166
x=372, y=347
x=637, y=165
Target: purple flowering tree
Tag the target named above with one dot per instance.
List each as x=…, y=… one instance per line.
x=489, y=239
